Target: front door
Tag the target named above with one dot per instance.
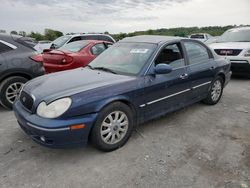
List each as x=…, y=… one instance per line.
x=166, y=92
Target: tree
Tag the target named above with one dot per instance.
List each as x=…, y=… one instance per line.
x=22, y=33
x=36, y=35
x=52, y=34
x=14, y=32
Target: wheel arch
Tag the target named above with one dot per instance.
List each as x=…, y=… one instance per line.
x=222, y=75
x=21, y=74
x=121, y=99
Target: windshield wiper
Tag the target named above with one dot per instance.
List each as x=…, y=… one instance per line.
x=103, y=69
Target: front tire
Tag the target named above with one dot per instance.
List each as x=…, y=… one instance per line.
x=215, y=92
x=10, y=89
x=113, y=127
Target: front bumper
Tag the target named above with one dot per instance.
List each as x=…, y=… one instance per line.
x=54, y=133
x=240, y=65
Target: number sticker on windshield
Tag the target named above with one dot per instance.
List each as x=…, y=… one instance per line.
x=138, y=51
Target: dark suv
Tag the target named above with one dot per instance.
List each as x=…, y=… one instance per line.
x=18, y=64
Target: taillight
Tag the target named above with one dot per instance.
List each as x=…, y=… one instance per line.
x=37, y=58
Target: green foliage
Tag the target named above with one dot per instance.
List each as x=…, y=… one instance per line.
x=14, y=32
x=49, y=34
x=179, y=31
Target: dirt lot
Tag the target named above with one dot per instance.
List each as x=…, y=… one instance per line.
x=200, y=146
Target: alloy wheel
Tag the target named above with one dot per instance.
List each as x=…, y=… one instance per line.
x=114, y=127
x=216, y=90
x=13, y=91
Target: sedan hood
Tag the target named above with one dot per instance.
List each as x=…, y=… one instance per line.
x=230, y=45
x=66, y=83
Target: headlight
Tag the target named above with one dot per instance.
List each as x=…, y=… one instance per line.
x=54, y=109
x=247, y=53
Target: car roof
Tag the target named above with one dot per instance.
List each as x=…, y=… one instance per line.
x=239, y=28
x=155, y=39
x=88, y=34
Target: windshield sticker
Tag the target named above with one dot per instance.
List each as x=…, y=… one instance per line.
x=138, y=51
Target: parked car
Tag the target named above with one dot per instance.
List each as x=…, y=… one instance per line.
x=63, y=40
x=42, y=45
x=18, y=64
x=234, y=45
x=135, y=80
x=200, y=36
x=211, y=40
x=73, y=55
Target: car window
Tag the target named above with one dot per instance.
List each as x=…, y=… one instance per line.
x=108, y=44
x=196, y=53
x=125, y=58
x=171, y=55
x=75, y=46
x=105, y=38
x=75, y=39
x=98, y=49
x=90, y=37
x=59, y=42
x=197, y=36
x=4, y=48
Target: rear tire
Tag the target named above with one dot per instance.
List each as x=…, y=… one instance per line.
x=10, y=89
x=113, y=127
x=215, y=91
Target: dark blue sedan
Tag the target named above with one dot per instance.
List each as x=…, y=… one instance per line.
x=137, y=79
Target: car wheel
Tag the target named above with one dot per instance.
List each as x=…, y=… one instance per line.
x=113, y=127
x=10, y=89
x=215, y=92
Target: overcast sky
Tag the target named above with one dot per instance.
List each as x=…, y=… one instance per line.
x=119, y=15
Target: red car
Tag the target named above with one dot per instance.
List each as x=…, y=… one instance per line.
x=73, y=55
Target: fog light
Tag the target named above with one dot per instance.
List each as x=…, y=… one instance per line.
x=42, y=138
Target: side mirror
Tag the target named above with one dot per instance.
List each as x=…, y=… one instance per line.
x=162, y=69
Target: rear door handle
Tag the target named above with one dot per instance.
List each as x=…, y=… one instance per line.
x=183, y=76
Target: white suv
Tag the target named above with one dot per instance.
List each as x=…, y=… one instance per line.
x=234, y=45
x=61, y=41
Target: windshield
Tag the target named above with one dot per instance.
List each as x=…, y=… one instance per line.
x=125, y=58
x=236, y=35
x=75, y=46
x=59, y=42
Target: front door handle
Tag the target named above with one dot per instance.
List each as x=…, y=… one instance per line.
x=183, y=76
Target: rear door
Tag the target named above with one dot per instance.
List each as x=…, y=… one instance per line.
x=201, y=67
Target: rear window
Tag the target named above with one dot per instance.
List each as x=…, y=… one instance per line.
x=4, y=48
x=197, y=36
x=75, y=46
x=59, y=42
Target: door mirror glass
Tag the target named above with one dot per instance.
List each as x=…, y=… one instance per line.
x=162, y=68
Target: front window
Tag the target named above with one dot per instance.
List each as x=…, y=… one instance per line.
x=59, y=42
x=125, y=58
x=75, y=46
x=171, y=55
x=235, y=35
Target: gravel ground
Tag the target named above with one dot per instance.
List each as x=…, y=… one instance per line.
x=199, y=146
